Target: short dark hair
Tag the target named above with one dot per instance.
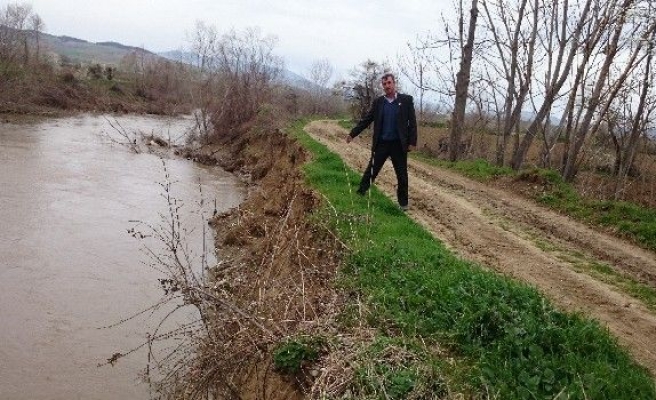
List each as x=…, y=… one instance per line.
x=388, y=75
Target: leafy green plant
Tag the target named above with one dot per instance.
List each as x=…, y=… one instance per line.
x=290, y=356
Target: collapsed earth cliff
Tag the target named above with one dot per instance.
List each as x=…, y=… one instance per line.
x=276, y=270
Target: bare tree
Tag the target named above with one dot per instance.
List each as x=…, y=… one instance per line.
x=462, y=81
x=233, y=78
x=203, y=46
x=247, y=67
x=563, y=63
x=14, y=38
x=560, y=61
x=20, y=15
x=641, y=119
x=37, y=26
x=320, y=73
x=515, y=45
x=415, y=67
x=606, y=86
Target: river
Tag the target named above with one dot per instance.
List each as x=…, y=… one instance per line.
x=68, y=266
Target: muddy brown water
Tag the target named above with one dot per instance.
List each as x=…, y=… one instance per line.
x=68, y=266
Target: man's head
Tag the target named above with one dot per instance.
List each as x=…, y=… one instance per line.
x=389, y=84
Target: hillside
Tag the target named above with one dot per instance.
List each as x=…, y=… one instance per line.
x=76, y=50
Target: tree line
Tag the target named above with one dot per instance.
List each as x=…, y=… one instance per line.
x=538, y=73
x=560, y=71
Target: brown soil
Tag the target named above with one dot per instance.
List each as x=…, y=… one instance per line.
x=276, y=267
x=500, y=229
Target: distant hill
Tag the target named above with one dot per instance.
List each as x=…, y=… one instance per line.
x=76, y=50
x=81, y=51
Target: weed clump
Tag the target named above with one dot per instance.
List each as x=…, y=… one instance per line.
x=295, y=354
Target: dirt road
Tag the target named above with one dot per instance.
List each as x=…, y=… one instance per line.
x=518, y=238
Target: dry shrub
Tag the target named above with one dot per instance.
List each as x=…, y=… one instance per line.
x=58, y=97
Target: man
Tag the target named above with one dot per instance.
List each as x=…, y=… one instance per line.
x=395, y=134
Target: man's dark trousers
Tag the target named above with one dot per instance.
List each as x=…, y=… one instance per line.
x=395, y=151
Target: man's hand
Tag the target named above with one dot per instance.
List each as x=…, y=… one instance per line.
x=349, y=139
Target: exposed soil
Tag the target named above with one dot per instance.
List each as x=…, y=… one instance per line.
x=276, y=268
x=504, y=231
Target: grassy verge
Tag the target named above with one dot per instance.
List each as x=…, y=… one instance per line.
x=476, y=169
x=512, y=343
x=603, y=272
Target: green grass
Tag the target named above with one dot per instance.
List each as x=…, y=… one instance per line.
x=516, y=344
x=290, y=356
x=398, y=368
x=602, y=272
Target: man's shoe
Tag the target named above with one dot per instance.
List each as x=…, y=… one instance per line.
x=404, y=208
x=360, y=192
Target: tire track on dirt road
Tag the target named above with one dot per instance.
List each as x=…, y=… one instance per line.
x=502, y=231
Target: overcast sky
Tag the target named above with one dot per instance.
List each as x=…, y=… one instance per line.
x=345, y=32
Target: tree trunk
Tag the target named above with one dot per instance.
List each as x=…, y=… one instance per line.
x=462, y=86
x=637, y=127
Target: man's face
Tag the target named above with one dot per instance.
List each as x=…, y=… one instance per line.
x=389, y=86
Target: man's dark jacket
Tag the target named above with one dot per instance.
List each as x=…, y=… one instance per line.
x=407, y=122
